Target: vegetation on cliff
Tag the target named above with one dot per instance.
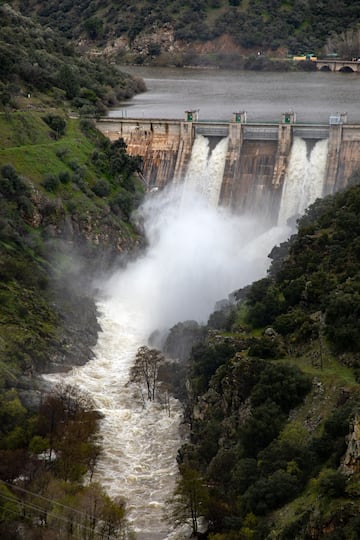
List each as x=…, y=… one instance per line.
x=39, y=67
x=293, y=25
x=273, y=391
x=273, y=397
x=66, y=194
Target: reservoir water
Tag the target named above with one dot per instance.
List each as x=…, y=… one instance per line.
x=265, y=96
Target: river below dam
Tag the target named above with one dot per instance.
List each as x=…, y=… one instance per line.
x=197, y=254
x=313, y=96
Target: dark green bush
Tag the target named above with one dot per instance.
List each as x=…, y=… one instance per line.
x=64, y=177
x=332, y=484
x=265, y=302
x=56, y=123
x=262, y=427
x=269, y=493
x=101, y=188
x=51, y=183
x=285, y=385
x=266, y=347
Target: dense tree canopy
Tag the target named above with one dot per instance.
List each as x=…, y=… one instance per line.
x=36, y=59
x=298, y=25
x=246, y=440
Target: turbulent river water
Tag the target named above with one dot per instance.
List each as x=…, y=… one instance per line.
x=197, y=254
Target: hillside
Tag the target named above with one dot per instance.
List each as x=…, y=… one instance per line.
x=66, y=194
x=142, y=32
x=271, y=386
x=66, y=199
x=41, y=68
x=273, y=398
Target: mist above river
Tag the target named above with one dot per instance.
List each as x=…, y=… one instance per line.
x=197, y=254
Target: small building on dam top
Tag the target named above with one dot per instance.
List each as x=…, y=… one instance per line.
x=253, y=161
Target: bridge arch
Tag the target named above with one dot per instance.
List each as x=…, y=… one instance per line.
x=346, y=69
x=345, y=66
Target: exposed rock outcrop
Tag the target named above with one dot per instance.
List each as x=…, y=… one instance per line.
x=351, y=461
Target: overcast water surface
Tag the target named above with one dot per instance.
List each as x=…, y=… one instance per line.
x=265, y=96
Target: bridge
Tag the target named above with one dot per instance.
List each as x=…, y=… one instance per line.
x=344, y=66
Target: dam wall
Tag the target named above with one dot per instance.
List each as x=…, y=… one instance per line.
x=257, y=157
x=164, y=145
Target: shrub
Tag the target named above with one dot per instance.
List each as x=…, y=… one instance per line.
x=61, y=153
x=265, y=302
x=286, y=323
x=262, y=427
x=8, y=171
x=25, y=206
x=266, y=347
x=64, y=177
x=56, y=123
x=269, y=493
x=285, y=385
x=12, y=186
x=332, y=483
x=51, y=183
x=101, y=188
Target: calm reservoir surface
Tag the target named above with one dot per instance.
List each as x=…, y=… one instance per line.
x=265, y=96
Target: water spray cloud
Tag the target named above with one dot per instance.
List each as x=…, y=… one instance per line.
x=197, y=254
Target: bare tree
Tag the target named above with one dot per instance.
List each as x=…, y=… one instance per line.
x=146, y=369
x=347, y=43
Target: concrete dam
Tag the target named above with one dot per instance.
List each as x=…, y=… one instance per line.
x=274, y=168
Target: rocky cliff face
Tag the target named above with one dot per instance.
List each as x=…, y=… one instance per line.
x=47, y=267
x=161, y=40
x=88, y=230
x=351, y=461
x=86, y=244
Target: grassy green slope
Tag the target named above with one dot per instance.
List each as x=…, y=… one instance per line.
x=27, y=142
x=46, y=181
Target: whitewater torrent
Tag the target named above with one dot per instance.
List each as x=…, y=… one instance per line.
x=139, y=444
x=304, y=179
x=206, y=168
x=197, y=254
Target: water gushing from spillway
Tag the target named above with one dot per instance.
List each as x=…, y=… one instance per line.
x=304, y=179
x=206, y=168
x=197, y=254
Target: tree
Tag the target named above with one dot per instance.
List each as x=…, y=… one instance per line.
x=56, y=123
x=68, y=81
x=69, y=422
x=101, y=188
x=94, y=27
x=9, y=506
x=146, y=369
x=347, y=43
x=190, y=499
x=332, y=483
